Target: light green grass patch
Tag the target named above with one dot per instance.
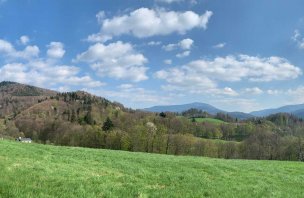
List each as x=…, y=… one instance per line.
x=211, y=120
x=33, y=170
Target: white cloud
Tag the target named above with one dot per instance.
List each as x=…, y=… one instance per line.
x=228, y=91
x=126, y=93
x=117, y=60
x=236, y=68
x=170, y=47
x=6, y=47
x=62, y=89
x=219, y=46
x=241, y=104
x=184, y=44
x=202, y=76
x=154, y=43
x=125, y=86
x=55, y=50
x=169, y=1
x=299, y=39
x=30, y=51
x=24, y=40
x=100, y=16
x=296, y=95
x=291, y=96
x=182, y=80
x=96, y=38
x=8, y=50
x=254, y=91
x=183, y=54
x=39, y=71
x=42, y=74
x=273, y=91
x=168, y=61
x=145, y=22
x=176, y=1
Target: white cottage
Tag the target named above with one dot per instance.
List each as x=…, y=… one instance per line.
x=24, y=140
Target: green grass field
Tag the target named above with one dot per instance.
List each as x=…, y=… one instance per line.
x=33, y=170
x=212, y=120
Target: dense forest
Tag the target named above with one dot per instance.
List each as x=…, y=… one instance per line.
x=81, y=119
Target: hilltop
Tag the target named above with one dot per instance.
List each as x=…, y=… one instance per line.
x=33, y=170
x=16, y=97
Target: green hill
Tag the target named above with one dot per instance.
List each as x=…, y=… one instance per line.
x=211, y=120
x=34, y=170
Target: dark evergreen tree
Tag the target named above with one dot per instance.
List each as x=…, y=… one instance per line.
x=162, y=114
x=107, y=125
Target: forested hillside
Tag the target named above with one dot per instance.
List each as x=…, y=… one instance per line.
x=81, y=119
x=15, y=97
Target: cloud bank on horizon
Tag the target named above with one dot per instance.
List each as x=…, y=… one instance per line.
x=145, y=53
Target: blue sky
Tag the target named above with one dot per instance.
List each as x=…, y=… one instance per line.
x=237, y=55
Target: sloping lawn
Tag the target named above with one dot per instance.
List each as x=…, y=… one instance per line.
x=34, y=170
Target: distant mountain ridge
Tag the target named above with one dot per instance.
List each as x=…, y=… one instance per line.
x=297, y=110
x=184, y=107
x=196, y=105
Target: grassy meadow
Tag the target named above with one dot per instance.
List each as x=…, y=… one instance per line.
x=34, y=170
x=211, y=120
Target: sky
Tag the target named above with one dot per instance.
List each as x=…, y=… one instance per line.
x=238, y=55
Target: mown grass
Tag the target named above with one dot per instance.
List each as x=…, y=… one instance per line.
x=211, y=120
x=33, y=170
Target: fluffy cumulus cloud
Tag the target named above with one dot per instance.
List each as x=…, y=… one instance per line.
x=183, y=54
x=43, y=74
x=237, y=68
x=145, y=22
x=203, y=75
x=55, y=50
x=117, y=60
x=24, y=40
x=8, y=50
x=39, y=71
x=184, y=44
x=181, y=80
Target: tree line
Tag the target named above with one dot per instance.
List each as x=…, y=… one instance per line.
x=82, y=120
